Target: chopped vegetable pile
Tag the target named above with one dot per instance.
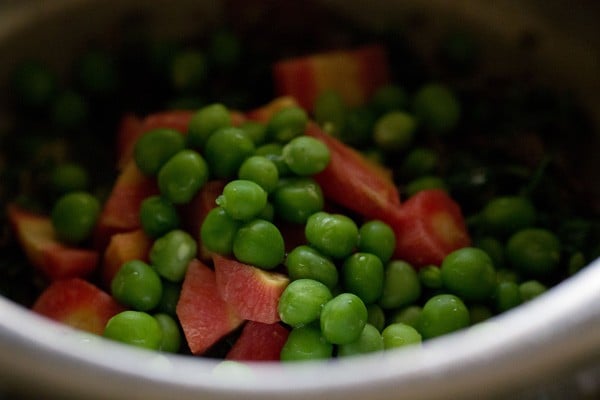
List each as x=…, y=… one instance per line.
x=316, y=204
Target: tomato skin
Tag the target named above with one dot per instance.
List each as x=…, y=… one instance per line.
x=355, y=74
x=429, y=226
x=355, y=182
x=259, y=342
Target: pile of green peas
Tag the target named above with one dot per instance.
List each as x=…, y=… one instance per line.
x=347, y=295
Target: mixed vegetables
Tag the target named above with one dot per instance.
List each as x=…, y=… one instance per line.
x=309, y=205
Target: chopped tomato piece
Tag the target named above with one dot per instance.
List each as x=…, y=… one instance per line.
x=259, y=342
x=429, y=227
x=124, y=247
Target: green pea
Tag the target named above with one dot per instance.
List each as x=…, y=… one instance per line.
x=508, y=214
x=443, y=314
x=401, y=285
x=74, y=216
x=261, y=171
x=137, y=285
x=154, y=148
x=225, y=151
x=170, y=254
x=369, y=341
x=259, y=243
x=218, y=231
x=296, y=199
x=136, y=328
x=334, y=235
x=394, y=131
x=437, y=108
x=307, y=262
x=363, y=275
x=531, y=289
x=182, y=176
x=493, y=247
x=97, y=73
x=419, y=161
x=169, y=299
x=343, y=319
x=376, y=316
x=306, y=155
x=576, y=262
x=273, y=152
x=430, y=277
x=301, y=302
x=188, y=71
x=507, y=275
x=533, y=251
x=377, y=237
x=409, y=315
x=306, y=343
x=400, y=335
x=425, y=182
x=242, y=200
x=34, y=84
x=205, y=122
x=158, y=216
x=469, y=273
x=171, y=333
x=69, y=177
x=329, y=110
x=287, y=124
x=256, y=131
x=70, y=110
x=507, y=296
x=267, y=213
x=389, y=98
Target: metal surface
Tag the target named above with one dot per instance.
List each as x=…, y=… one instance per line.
x=547, y=348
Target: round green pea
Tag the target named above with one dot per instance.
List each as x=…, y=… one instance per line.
x=256, y=131
x=409, y=315
x=218, y=230
x=343, y=319
x=188, y=71
x=400, y=335
x=394, y=131
x=287, y=124
x=226, y=150
x=136, y=328
x=533, y=251
x=301, y=302
x=377, y=237
x=306, y=156
x=69, y=177
x=306, y=262
x=430, y=277
x=376, y=316
x=242, y=200
x=137, y=285
x=259, y=243
x=507, y=296
x=443, y=314
x=74, y=216
x=437, y=108
x=182, y=176
x=425, y=182
x=363, y=275
x=469, y=273
x=158, y=216
x=306, y=343
x=401, y=285
x=171, y=253
x=493, y=247
x=154, y=148
x=330, y=111
x=508, y=214
x=531, y=289
x=205, y=122
x=171, y=333
x=296, y=199
x=273, y=152
x=419, y=161
x=169, y=299
x=369, y=341
x=261, y=171
x=335, y=235
x=479, y=313
x=389, y=98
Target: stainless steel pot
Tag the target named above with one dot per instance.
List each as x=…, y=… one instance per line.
x=548, y=348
